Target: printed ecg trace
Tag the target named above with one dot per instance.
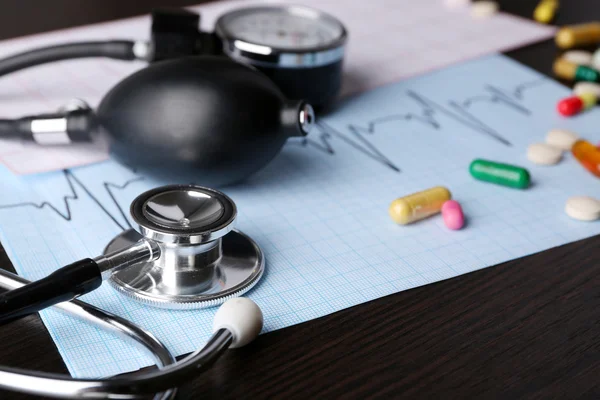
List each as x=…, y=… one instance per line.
x=458, y=111
x=324, y=142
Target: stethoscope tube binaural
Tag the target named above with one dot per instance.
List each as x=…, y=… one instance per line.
x=108, y=322
x=236, y=323
x=122, y=387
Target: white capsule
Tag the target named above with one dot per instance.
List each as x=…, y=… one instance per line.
x=596, y=59
x=583, y=208
x=544, y=154
x=586, y=87
x=561, y=139
x=578, y=57
x=484, y=9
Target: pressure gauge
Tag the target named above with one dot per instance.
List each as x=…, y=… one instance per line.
x=299, y=48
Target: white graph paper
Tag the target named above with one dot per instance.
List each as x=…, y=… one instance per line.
x=319, y=211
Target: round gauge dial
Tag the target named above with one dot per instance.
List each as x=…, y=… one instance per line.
x=284, y=28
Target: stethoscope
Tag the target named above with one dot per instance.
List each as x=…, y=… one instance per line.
x=186, y=255
x=219, y=103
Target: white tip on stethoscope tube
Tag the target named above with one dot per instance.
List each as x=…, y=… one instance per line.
x=242, y=317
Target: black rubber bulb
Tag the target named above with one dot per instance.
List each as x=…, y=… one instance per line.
x=211, y=116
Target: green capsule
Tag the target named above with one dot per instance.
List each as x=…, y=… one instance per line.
x=587, y=74
x=500, y=174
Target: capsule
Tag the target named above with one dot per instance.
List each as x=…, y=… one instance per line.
x=579, y=57
x=545, y=11
x=596, y=59
x=500, y=174
x=568, y=70
x=588, y=155
x=418, y=206
x=578, y=35
x=586, y=87
x=575, y=104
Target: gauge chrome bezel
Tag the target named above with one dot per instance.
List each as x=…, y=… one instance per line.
x=269, y=56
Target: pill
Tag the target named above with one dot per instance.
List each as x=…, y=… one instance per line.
x=596, y=59
x=544, y=154
x=420, y=205
x=484, y=9
x=545, y=11
x=575, y=104
x=452, y=214
x=561, y=139
x=587, y=155
x=500, y=174
x=578, y=57
x=568, y=70
x=586, y=87
x=583, y=208
x=578, y=35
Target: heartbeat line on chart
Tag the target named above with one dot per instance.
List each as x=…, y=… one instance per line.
x=429, y=116
x=74, y=195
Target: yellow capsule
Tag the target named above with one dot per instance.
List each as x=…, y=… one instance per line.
x=578, y=35
x=565, y=69
x=545, y=11
x=589, y=99
x=417, y=206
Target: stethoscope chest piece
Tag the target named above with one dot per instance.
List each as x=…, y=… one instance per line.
x=203, y=260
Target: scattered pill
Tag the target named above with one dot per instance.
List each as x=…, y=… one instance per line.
x=588, y=155
x=484, y=9
x=561, y=139
x=452, y=214
x=575, y=104
x=583, y=208
x=500, y=174
x=457, y=3
x=545, y=11
x=586, y=87
x=544, y=154
x=420, y=205
x=578, y=35
x=578, y=57
x=596, y=59
x=568, y=70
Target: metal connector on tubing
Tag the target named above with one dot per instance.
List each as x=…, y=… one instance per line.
x=142, y=251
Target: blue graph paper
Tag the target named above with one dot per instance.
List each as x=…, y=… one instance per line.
x=319, y=211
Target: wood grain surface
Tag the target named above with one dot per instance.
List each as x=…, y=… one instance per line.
x=528, y=328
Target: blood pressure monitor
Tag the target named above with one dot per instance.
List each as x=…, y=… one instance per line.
x=299, y=48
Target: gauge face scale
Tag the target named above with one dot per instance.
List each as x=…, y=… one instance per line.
x=301, y=49
x=293, y=28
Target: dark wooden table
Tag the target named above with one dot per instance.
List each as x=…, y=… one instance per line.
x=526, y=328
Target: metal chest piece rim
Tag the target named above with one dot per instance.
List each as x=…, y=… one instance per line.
x=204, y=261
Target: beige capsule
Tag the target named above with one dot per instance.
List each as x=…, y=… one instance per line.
x=420, y=205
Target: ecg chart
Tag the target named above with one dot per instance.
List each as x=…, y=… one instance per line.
x=319, y=210
x=400, y=39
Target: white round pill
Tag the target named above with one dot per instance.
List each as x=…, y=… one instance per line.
x=583, y=208
x=484, y=9
x=561, y=139
x=586, y=87
x=544, y=154
x=578, y=57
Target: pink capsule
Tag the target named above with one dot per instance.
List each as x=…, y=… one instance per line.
x=453, y=215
